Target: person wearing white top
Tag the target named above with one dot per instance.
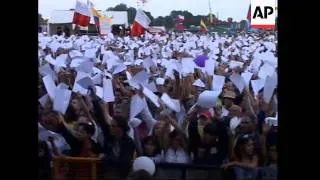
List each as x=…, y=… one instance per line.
x=177, y=151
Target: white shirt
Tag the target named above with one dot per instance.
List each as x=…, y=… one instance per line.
x=178, y=156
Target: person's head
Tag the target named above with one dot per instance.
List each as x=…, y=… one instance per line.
x=66, y=31
x=43, y=149
x=59, y=31
x=272, y=154
x=177, y=140
x=83, y=119
x=235, y=111
x=210, y=134
x=140, y=175
x=272, y=146
x=199, y=90
x=244, y=147
x=150, y=146
x=204, y=118
x=247, y=125
x=228, y=98
x=229, y=86
x=119, y=126
x=85, y=129
x=49, y=119
x=39, y=29
x=75, y=104
x=218, y=111
x=159, y=128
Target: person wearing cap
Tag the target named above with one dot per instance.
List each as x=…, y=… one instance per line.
x=228, y=98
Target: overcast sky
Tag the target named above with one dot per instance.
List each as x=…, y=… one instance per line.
x=237, y=9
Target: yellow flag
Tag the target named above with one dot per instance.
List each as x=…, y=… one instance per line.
x=203, y=25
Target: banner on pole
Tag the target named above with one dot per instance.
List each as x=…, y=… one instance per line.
x=105, y=26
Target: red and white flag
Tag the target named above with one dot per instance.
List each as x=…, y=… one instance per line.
x=82, y=13
x=140, y=24
x=180, y=18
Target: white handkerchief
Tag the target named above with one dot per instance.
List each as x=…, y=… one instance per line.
x=97, y=79
x=238, y=81
x=119, y=68
x=233, y=64
x=106, y=73
x=266, y=70
x=136, y=105
x=225, y=112
x=147, y=63
x=154, y=98
x=247, y=77
x=85, y=82
x=208, y=99
x=49, y=85
x=43, y=100
x=257, y=85
x=270, y=85
x=141, y=77
x=199, y=83
x=61, y=100
x=151, y=86
x=169, y=102
x=75, y=53
x=46, y=70
x=160, y=81
x=86, y=67
x=77, y=87
x=96, y=70
x=90, y=53
x=99, y=92
x=61, y=60
x=108, y=95
x=209, y=67
x=50, y=60
x=218, y=82
x=62, y=86
x=134, y=122
x=76, y=62
x=54, y=46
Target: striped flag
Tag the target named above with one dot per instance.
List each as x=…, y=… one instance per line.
x=141, y=23
x=82, y=13
x=203, y=26
x=96, y=16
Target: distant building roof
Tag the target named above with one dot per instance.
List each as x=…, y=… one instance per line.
x=66, y=16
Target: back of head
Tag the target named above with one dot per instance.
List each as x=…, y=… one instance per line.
x=140, y=175
x=122, y=123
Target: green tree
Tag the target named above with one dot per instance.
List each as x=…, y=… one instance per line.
x=42, y=21
x=131, y=14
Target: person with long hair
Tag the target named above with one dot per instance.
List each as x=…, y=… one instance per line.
x=177, y=151
x=151, y=148
x=246, y=163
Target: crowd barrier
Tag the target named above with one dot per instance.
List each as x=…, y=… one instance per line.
x=167, y=171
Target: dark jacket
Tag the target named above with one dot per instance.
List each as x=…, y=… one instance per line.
x=214, y=155
x=126, y=144
x=75, y=144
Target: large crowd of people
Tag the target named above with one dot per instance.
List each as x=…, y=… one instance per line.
x=188, y=98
